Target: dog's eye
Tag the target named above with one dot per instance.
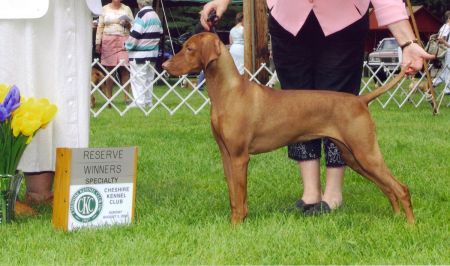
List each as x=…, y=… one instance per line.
x=189, y=49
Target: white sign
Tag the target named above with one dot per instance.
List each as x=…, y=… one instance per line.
x=100, y=205
x=100, y=190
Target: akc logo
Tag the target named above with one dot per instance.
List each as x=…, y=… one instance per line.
x=86, y=204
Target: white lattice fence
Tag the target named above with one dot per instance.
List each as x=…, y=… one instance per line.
x=168, y=93
x=173, y=93
x=408, y=91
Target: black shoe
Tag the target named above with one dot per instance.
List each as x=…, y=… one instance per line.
x=318, y=209
x=299, y=206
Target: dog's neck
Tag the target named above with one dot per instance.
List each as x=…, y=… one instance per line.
x=221, y=76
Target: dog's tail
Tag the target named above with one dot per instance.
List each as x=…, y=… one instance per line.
x=368, y=97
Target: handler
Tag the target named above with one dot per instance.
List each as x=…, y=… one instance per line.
x=51, y=57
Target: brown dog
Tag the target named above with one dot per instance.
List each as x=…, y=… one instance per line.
x=248, y=118
x=96, y=77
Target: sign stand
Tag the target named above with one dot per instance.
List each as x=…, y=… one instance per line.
x=94, y=187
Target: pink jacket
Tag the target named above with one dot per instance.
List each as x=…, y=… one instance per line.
x=333, y=15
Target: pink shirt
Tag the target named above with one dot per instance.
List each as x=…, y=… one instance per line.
x=333, y=15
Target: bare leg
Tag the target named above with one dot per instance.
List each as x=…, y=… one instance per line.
x=333, y=190
x=310, y=172
x=39, y=187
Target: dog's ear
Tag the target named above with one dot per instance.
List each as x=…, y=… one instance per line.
x=210, y=51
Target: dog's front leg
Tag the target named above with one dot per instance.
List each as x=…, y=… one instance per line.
x=235, y=171
x=223, y=153
x=227, y=169
x=237, y=186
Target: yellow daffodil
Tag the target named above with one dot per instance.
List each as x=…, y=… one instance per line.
x=48, y=115
x=26, y=124
x=16, y=125
x=32, y=115
x=49, y=111
x=30, y=124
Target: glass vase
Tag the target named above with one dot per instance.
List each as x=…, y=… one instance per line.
x=9, y=189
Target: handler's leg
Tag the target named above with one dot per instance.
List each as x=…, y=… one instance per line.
x=333, y=190
x=310, y=172
x=340, y=69
x=294, y=58
x=39, y=187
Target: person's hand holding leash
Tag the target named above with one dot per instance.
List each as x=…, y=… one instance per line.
x=219, y=6
x=413, y=53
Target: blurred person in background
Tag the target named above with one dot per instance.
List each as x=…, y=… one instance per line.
x=143, y=48
x=113, y=30
x=237, y=43
x=444, y=37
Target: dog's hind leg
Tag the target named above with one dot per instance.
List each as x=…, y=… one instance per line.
x=352, y=163
x=372, y=163
x=400, y=190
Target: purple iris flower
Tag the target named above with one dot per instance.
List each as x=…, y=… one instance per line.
x=12, y=99
x=11, y=103
x=3, y=113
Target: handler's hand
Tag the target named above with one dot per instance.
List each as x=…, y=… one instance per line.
x=414, y=55
x=97, y=48
x=220, y=6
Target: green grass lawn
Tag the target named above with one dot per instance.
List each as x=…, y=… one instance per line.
x=182, y=209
